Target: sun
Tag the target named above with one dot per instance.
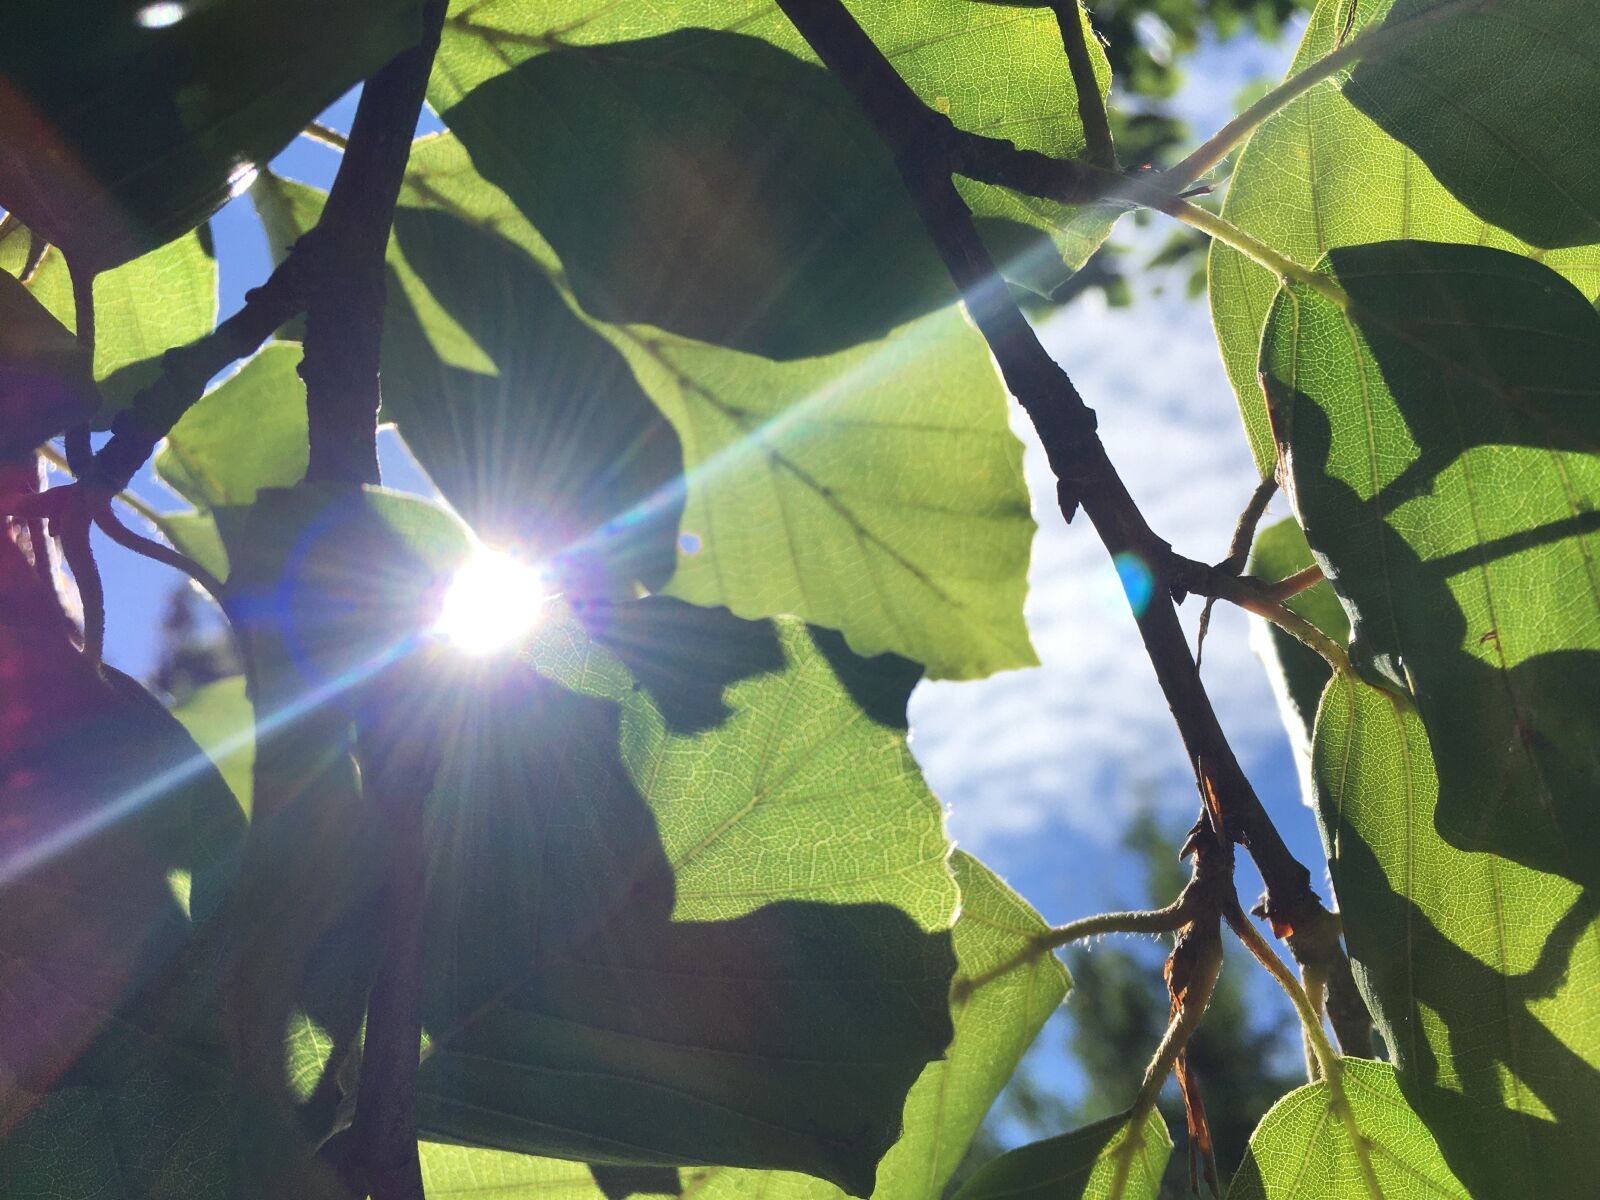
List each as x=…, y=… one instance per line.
x=494, y=601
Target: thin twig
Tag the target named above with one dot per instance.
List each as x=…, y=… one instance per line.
x=1091, y=106
x=1066, y=427
x=1243, y=592
x=59, y=461
x=1244, y=534
x=119, y=533
x=1203, y=965
x=1331, y=1064
x=72, y=531
x=1161, y=920
x=1252, y=247
x=1290, y=587
x=344, y=309
x=185, y=371
x=1383, y=39
x=318, y=132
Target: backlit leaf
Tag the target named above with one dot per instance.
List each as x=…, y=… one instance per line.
x=1441, y=441
x=1301, y=1148
x=219, y=718
x=45, y=384
x=143, y=308
x=689, y=900
x=123, y=125
x=1497, y=97
x=245, y=435
x=1321, y=174
x=1439, y=438
x=993, y=1027
x=1081, y=1165
x=1481, y=973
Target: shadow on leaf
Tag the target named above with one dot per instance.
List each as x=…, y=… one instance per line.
x=711, y=185
x=559, y=449
x=573, y=1014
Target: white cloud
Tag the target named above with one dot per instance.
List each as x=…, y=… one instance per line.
x=1055, y=746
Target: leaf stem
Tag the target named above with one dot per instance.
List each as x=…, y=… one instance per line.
x=1291, y=586
x=1229, y=234
x=1161, y=920
x=1091, y=106
x=1246, y=594
x=149, y=548
x=1244, y=535
x=1328, y=1060
x=1185, y=1020
x=1380, y=40
x=318, y=132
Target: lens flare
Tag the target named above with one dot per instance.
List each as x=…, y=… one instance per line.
x=159, y=16
x=1138, y=582
x=494, y=601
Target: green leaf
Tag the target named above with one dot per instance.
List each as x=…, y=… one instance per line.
x=1298, y=673
x=877, y=491
x=159, y=1134
x=245, y=435
x=1440, y=439
x=1321, y=174
x=45, y=384
x=1435, y=437
x=219, y=718
x=689, y=899
x=287, y=210
x=1301, y=1148
x=100, y=785
x=1495, y=96
x=945, y=49
x=709, y=184
x=451, y=1172
x=142, y=309
x=1081, y=1165
x=122, y=129
x=1481, y=973
x=994, y=1025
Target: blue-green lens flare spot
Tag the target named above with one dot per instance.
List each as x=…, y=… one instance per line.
x=1138, y=583
x=689, y=543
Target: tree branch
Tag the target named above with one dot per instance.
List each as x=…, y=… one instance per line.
x=1091, y=108
x=399, y=763
x=1084, y=473
x=343, y=345
x=344, y=309
x=185, y=371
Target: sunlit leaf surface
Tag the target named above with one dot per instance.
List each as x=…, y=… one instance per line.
x=1302, y=1148
x=1321, y=174
x=1439, y=430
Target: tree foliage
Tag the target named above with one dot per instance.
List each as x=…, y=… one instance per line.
x=701, y=318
